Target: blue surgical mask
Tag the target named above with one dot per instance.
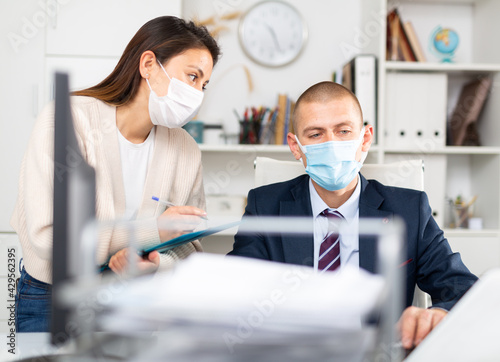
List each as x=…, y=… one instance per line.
x=332, y=165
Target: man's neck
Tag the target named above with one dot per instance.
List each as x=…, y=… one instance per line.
x=335, y=199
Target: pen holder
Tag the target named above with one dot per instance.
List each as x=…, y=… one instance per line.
x=247, y=135
x=461, y=216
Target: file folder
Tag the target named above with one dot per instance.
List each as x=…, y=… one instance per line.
x=180, y=240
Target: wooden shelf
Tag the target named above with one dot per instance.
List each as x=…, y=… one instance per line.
x=475, y=68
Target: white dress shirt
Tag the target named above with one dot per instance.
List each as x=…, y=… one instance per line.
x=349, y=244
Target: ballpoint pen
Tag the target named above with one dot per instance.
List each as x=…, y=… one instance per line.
x=170, y=204
x=163, y=202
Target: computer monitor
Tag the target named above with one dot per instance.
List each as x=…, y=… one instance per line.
x=74, y=206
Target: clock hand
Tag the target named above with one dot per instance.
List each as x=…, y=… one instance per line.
x=275, y=38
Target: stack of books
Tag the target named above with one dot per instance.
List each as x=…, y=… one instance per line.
x=402, y=41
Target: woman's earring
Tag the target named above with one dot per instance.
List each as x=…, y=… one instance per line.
x=147, y=75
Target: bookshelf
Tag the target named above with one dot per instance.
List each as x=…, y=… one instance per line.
x=449, y=170
x=442, y=67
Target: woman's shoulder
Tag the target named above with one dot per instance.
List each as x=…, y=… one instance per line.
x=92, y=111
x=83, y=102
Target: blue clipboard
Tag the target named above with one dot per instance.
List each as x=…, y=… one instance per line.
x=180, y=240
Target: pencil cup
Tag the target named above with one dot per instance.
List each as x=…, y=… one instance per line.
x=461, y=216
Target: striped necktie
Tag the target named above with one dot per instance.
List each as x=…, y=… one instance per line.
x=329, y=251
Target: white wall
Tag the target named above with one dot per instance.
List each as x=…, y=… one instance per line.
x=330, y=23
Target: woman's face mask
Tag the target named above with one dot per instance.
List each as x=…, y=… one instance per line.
x=332, y=165
x=178, y=107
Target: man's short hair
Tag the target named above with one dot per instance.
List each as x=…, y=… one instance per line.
x=324, y=92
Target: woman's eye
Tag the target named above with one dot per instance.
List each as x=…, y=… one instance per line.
x=193, y=77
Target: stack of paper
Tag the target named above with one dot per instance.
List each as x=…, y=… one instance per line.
x=237, y=303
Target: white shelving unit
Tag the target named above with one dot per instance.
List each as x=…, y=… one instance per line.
x=449, y=170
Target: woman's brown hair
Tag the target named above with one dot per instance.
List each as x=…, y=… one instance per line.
x=166, y=37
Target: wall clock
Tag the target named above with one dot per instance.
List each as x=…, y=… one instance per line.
x=272, y=33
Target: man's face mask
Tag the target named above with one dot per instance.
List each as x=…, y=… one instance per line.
x=332, y=165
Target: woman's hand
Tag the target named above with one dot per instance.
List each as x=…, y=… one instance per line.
x=178, y=220
x=119, y=262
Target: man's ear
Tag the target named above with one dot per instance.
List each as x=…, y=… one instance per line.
x=294, y=146
x=367, y=138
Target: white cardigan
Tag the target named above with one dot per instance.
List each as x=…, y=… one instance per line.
x=175, y=174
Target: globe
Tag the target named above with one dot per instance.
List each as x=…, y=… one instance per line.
x=444, y=43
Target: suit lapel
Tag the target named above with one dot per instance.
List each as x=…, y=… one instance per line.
x=298, y=250
x=370, y=202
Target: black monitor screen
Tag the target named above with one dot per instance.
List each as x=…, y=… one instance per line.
x=74, y=206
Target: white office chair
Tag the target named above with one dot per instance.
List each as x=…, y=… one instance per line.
x=408, y=174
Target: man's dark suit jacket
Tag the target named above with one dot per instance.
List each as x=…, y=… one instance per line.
x=432, y=265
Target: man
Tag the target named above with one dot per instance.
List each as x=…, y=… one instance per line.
x=331, y=142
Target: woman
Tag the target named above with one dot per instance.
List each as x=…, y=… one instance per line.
x=129, y=129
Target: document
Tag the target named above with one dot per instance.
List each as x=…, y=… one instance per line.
x=238, y=303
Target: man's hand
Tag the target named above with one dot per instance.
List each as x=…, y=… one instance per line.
x=416, y=323
x=119, y=262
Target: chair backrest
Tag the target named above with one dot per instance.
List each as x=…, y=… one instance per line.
x=407, y=174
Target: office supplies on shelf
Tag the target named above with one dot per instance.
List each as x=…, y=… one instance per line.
x=360, y=76
x=265, y=125
x=462, y=212
x=463, y=121
x=180, y=240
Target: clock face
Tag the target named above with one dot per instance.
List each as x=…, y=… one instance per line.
x=272, y=33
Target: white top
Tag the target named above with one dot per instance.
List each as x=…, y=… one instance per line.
x=349, y=244
x=135, y=160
